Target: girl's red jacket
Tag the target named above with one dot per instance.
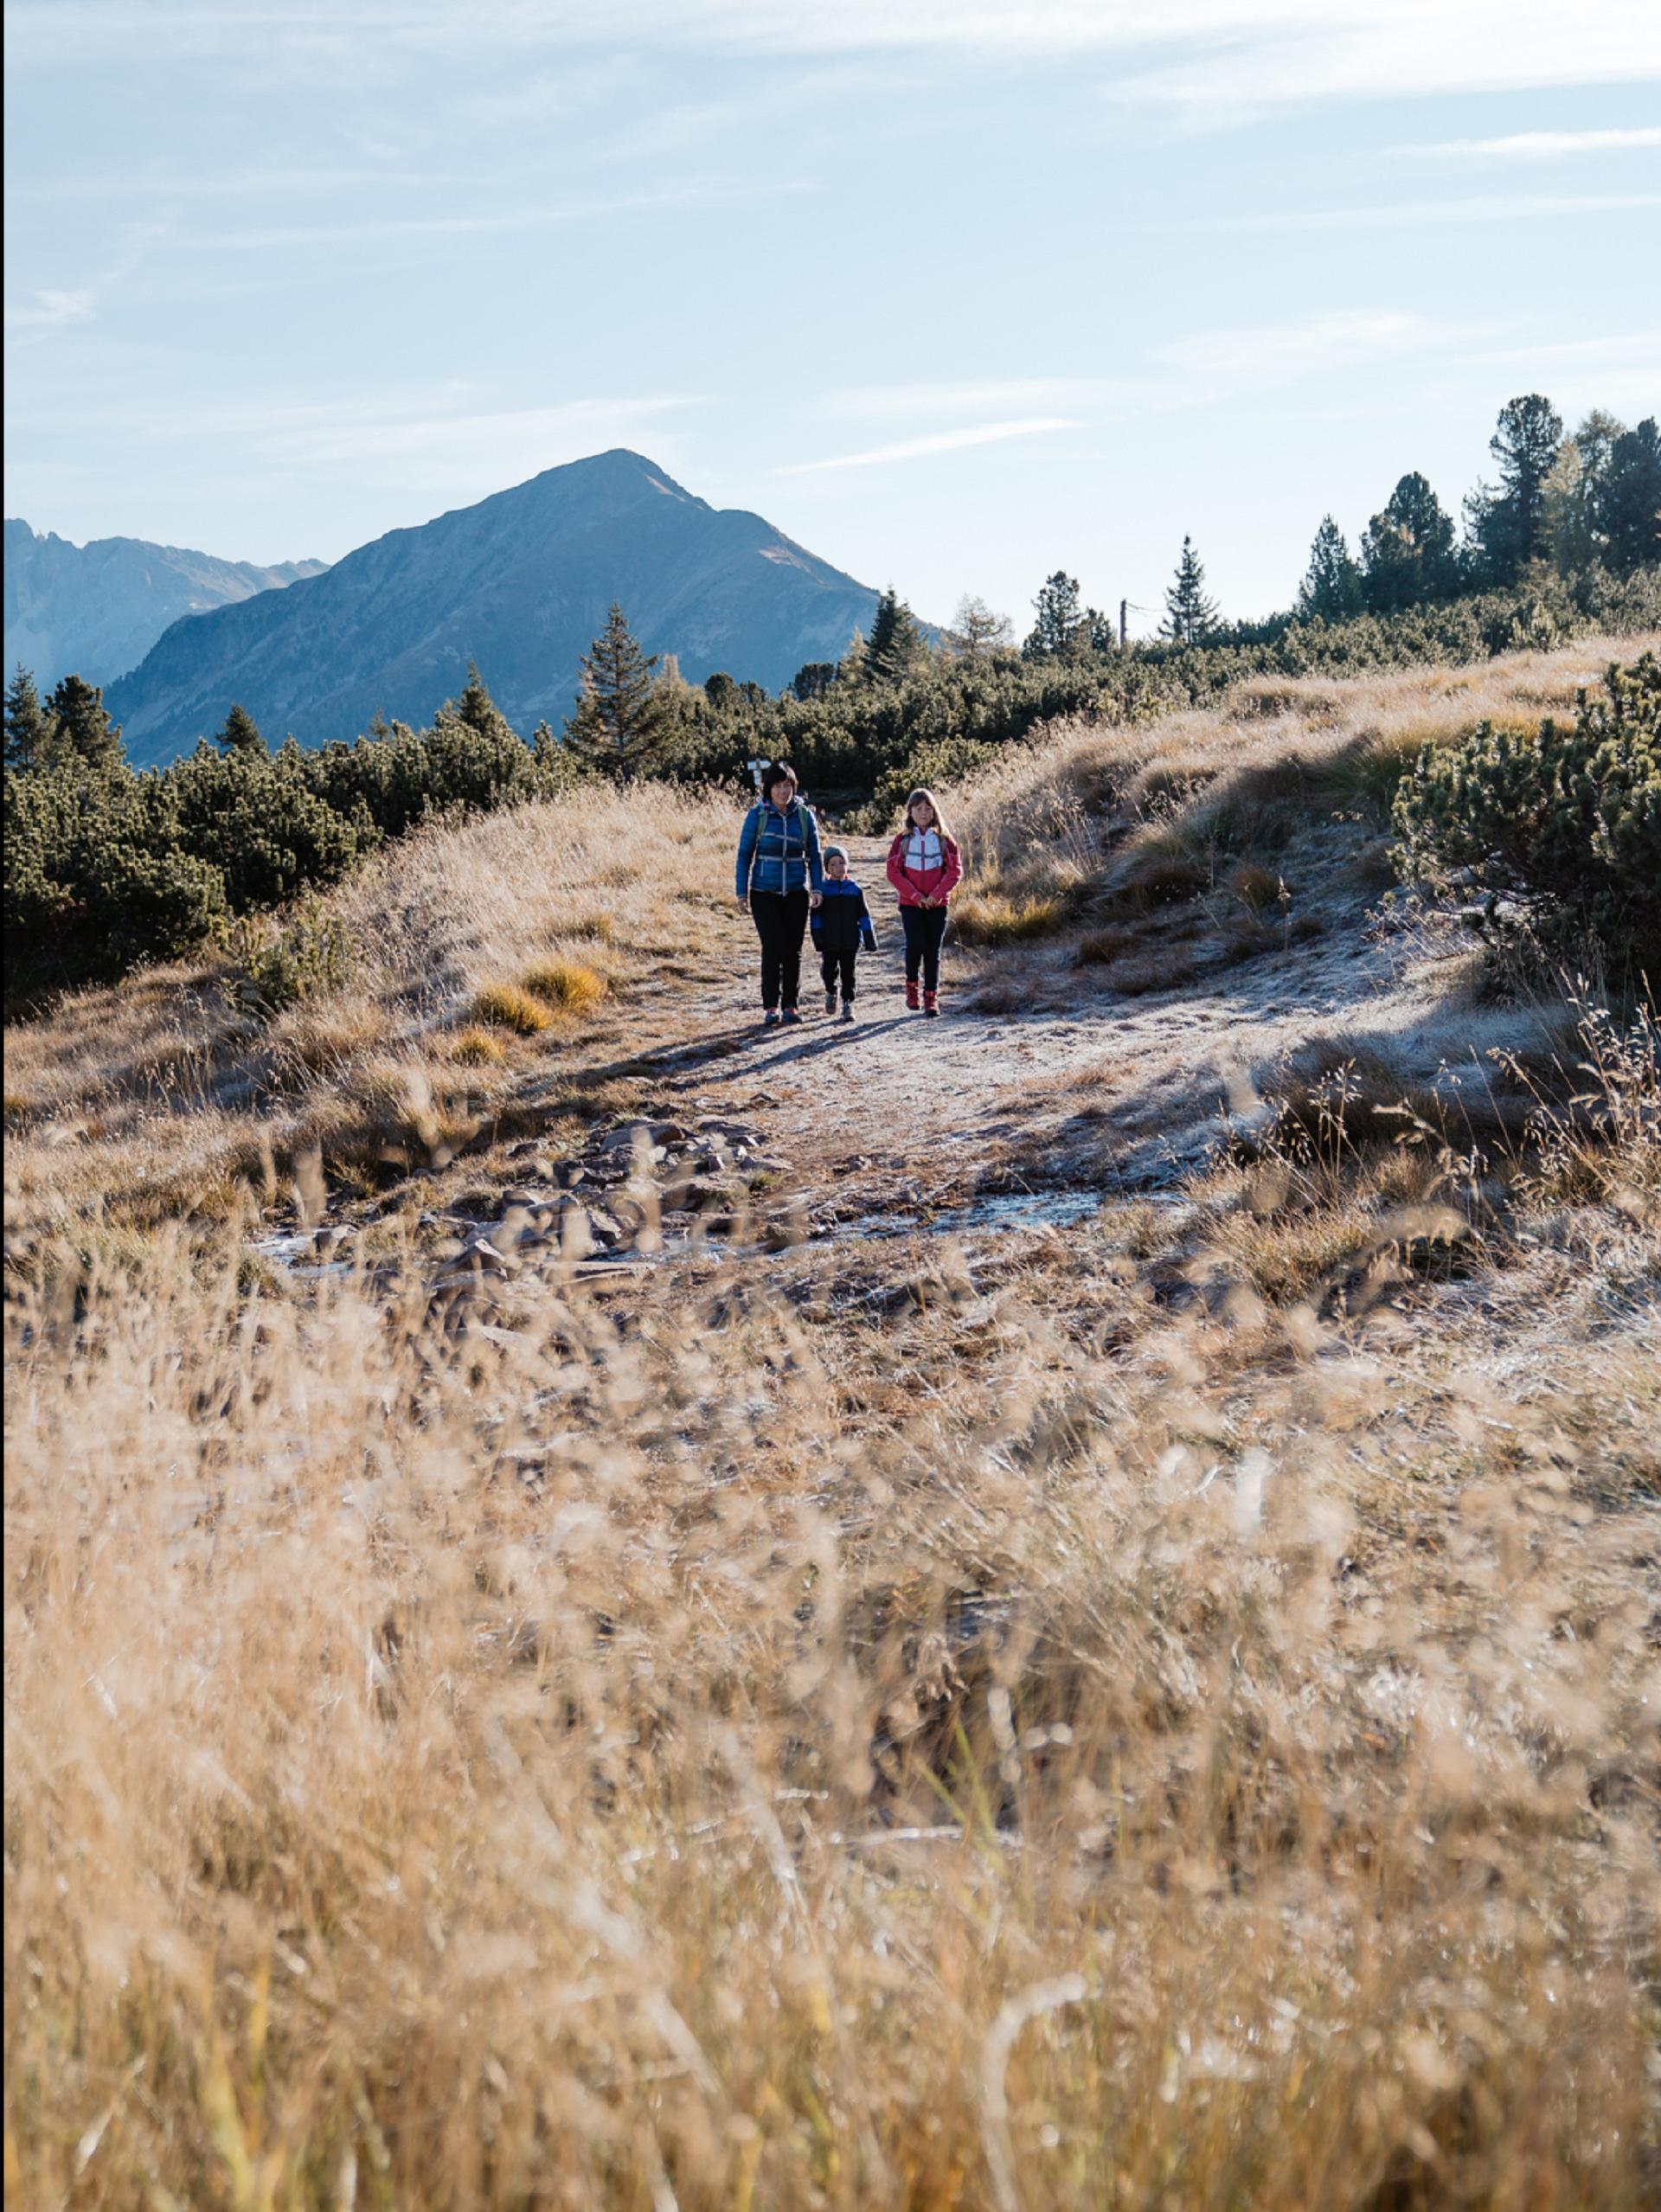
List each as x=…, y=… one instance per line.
x=916, y=885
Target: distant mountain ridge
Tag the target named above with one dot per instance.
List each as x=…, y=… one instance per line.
x=520, y=584
x=95, y=610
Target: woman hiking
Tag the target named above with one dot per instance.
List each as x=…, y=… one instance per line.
x=779, y=877
x=925, y=867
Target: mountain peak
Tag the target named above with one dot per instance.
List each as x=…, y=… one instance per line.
x=521, y=583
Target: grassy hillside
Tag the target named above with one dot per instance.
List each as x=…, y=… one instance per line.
x=843, y=1709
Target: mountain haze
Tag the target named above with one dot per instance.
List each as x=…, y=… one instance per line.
x=95, y=610
x=520, y=583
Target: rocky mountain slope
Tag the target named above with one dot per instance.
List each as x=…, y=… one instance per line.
x=519, y=583
x=97, y=609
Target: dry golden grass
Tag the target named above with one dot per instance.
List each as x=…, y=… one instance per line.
x=798, y=1761
x=140, y=1096
x=507, y=1007
x=570, y=986
x=985, y=914
x=1246, y=775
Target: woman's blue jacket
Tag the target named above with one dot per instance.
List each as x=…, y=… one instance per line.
x=779, y=851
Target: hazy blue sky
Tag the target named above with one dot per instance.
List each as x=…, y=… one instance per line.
x=953, y=290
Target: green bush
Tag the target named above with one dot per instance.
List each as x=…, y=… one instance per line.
x=1558, y=832
x=312, y=955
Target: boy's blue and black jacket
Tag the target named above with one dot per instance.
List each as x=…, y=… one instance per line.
x=843, y=920
x=779, y=852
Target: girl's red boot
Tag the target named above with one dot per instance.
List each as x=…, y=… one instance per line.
x=931, y=1002
x=912, y=1000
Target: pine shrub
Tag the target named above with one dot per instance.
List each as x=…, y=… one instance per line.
x=1556, y=832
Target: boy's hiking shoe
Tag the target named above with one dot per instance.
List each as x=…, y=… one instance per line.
x=912, y=1000
x=789, y=1015
x=830, y=1001
x=770, y=1019
x=931, y=1002
x=847, y=1010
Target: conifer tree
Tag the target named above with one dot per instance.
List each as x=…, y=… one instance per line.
x=1407, y=553
x=1190, y=615
x=1508, y=524
x=812, y=679
x=241, y=734
x=478, y=709
x=1059, y=619
x=895, y=645
x=622, y=725
x=84, y=729
x=1629, y=498
x=976, y=631
x=29, y=728
x=851, y=667
x=1330, y=590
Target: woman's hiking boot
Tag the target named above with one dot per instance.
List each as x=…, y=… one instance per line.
x=847, y=1010
x=931, y=1002
x=770, y=1019
x=912, y=1000
x=830, y=1001
x=791, y=1016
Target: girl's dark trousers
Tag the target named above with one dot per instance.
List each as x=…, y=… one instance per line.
x=924, y=927
x=780, y=923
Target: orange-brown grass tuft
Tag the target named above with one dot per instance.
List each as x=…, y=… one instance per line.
x=569, y=985
x=993, y=916
x=509, y=1007
x=478, y=1048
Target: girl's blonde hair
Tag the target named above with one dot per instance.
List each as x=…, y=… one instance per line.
x=921, y=793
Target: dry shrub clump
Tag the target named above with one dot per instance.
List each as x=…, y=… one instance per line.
x=513, y=1756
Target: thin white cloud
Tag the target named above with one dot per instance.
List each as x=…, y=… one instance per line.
x=972, y=398
x=939, y=441
x=1515, y=207
x=1202, y=55
x=1193, y=371
x=1238, y=358
x=51, y=310
x=1546, y=146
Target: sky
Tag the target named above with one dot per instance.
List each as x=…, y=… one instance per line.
x=953, y=291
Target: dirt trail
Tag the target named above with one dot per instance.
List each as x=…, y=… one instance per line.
x=1128, y=1091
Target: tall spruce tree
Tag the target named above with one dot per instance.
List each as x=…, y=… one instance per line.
x=241, y=734
x=622, y=726
x=1190, y=615
x=1407, y=551
x=84, y=729
x=1059, y=618
x=1330, y=590
x=1629, y=498
x=1507, y=523
x=30, y=731
x=895, y=645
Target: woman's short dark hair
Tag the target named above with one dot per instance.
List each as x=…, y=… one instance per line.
x=779, y=772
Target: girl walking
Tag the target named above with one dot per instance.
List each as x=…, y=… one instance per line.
x=925, y=867
x=779, y=878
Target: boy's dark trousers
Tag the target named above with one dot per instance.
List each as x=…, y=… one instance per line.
x=780, y=922
x=924, y=927
x=838, y=960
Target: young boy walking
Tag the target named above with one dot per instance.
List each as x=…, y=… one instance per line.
x=841, y=924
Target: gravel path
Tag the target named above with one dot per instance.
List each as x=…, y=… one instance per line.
x=941, y=1101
